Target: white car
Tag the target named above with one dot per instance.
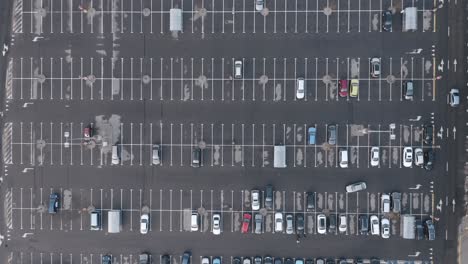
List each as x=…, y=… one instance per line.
x=375, y=67
x=216, y=224
x=385, y=198
x=418, y=157
x=144, y=223
x=238, y=69
x=278, y=222
x=289, y=224
x=300, y=88
x=375, y=225
x=259, y=5
x=255, y=200
x=454, y=98
x=343, y=224
x=321, y=224
x=205, y=260
x=375, y=156
x=385, y=223
x=356, y=187
x=407, y=157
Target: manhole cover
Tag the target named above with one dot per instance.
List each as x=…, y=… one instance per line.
x=202, y=144
x=146, y=79
x=91, y=144
x=327, y=79
x=265, y=11
x=146, y=12
x=390, y=79
x=263, y=211
x=41, y=78
x=327, y=11
x=42, y=12
x=91, y=11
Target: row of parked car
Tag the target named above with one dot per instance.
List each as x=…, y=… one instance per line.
x=278, y=260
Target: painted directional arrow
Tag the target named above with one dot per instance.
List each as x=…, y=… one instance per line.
x=454, y=132
x=416, y=188
x=416, y=254
x=441, y=66
x=27, y=169
x=455, y=65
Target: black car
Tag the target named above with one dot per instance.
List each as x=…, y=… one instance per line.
x=258, y=260
x=166, y=259
x=332, y=224
x=309, y=261
x=106, y=259
x=429, y=158
x=196, y=157
x=359, y=261
x=288, y=261
x=53, y=203
x=278, y=261
x=375, y=261
x=387, y=20
x=363, y=224
x=299, y=224
x=236, y=260
x=267, y=260
x=428, y=133
x=330, y=261
x=419, y=230
x=310, y=201
x=269, y=196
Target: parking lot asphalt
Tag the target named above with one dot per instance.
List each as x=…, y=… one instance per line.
x=118, y=68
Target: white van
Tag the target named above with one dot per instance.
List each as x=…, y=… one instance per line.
x=115, y=155
x=194, y=222
x=343, y=155
x=95, y=220
x=300, y=88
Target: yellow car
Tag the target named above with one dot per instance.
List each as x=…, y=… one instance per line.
x=354, y=88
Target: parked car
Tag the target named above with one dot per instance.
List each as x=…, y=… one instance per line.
x=396, y=202
x=454, y=97
x=385, y=198
x=419, y=230
x=375, y=225
x=238, y=69
x=309, y=261
x=166, y=259
x=343, y=224
x=246, y=222
x=385, y=223
x=310, y=201
x=300, y=223
x=319, y=261
x=194, y=222
x=156, y=155
x=428, y=133
x=255, y=199
x=332, y=224
x=299, y=261
x=289, y=224
x=267, y=260
x=321, y=224
x=356, y=187
x=54, y=199
x=288, y=261
x=430, y=229
x=205, y=260
x=186, y=257
x=375, y=67
x=144, y=223
x=407, y=157
x=246, y=260
x=88, y=131
x=269, y=196
x=259, y=5
x=429, y=158
x=216, y=224
x=216, y=260
x=278, y=222
x=236, y=260
x=258, y=223
x=408, y=90
x=375, y=156
x=196, y=157
x=278, y=261
x=300, y=88
x=343, y=158
x=332, y=134
x=258, y=260
x=354, y=88
x=312, y=131
x=144, y=258
x=343, y=88
x=363, y=224
x=106, y=259
x=387, y=20
x=418, y=157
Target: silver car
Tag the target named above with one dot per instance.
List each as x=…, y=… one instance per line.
x=356, y=187
x=258, y=223
x=289, y=224
x=259, y=5
x=454, y=97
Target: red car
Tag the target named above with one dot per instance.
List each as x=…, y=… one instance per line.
x=88, y=132
x=343, y=88
x=246, y=222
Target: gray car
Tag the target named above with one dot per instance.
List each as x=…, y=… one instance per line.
x=289, y=224
x=396, y=202
x=258, y=223
x=269, y=196
x=332, y=134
